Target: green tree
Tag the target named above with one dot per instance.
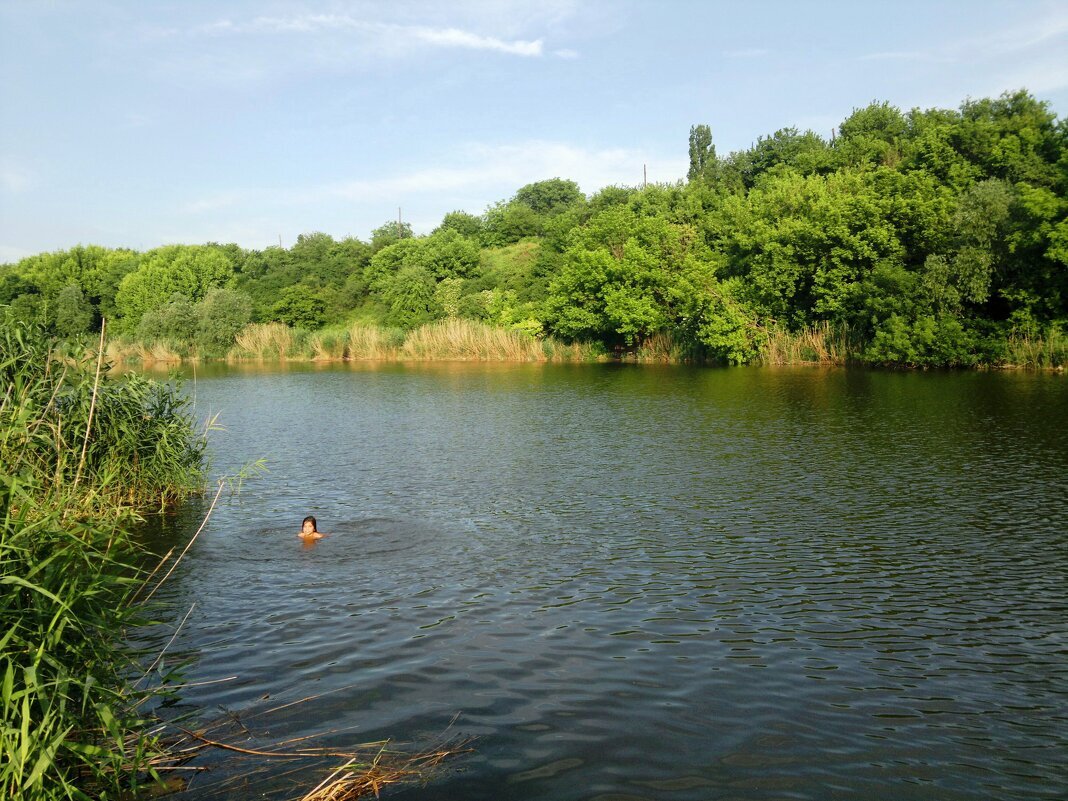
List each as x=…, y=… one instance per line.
x=462, y=223
x=300, y=307
x=220, y=317
x=410, y=297
x=389, y=233
x=619, y=279
x=871, y=136
x=174, y=322
x=185, y=269
x=702, y=153
x=74, y=314
x=550, y=197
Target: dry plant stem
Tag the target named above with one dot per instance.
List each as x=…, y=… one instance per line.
x=163, y=650
x=311, y=752
x=92, y=403
x=189, y=544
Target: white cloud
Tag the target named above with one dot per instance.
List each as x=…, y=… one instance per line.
x=504, y=168
x=386, y=33
x=454, y=37
x=1023, y=39
x=479, y=175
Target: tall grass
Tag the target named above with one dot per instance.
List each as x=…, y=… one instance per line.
x=264, y=341
x=78, y=454
x=660, y=347
x=446, y=340
x=1028, y=349
x=372, y=342
x=466, y=340
x=822, y=343
x=120, y=350
x=329, y=345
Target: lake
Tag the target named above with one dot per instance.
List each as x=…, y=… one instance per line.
x=639, y=582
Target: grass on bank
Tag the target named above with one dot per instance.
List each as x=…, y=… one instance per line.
x=78, y=455
x=446, y=340
x=456, y=339
x=1027, y=349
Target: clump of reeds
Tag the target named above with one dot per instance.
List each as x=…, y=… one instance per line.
x=358, y=778
x=79, y=454
x=822, y=343
x=263, y=341
x=329, y=345
x=120, y=350
x=1030, y=349
x=659, y=347
x=372, y=342
x=467, y=340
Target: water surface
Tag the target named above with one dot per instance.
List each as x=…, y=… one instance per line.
x=643, y=582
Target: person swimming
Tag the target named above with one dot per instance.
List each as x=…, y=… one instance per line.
x=309, y=529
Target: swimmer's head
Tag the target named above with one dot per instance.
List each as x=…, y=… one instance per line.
x=309, y=526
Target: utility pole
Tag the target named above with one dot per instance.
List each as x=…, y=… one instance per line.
x=279, y=241
x=645, y=176
x=400, y=226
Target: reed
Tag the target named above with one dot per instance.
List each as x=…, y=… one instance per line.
x=122, y=351
x=263, y=341
x=467, y=340
x=79, y=454
x=822, y=343
x=329, y=345
x=660, y=348
x=371, y=342
x=1031, y=349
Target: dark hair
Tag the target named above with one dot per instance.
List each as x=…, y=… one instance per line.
x=315, y=526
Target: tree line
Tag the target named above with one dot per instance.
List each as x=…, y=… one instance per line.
x=933, y=237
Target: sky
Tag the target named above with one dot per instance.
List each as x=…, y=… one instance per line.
x=137, y=124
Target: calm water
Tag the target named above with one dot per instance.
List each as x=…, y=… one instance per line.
x=640, y=582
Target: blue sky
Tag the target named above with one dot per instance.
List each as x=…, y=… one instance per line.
x=143, y=123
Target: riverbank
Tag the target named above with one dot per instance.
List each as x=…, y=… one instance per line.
x=466, y=340
x=80, y=457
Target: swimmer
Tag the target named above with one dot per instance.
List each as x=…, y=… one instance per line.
x=309, y=530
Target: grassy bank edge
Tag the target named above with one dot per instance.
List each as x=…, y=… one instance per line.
x=465, y=340
x=80, y=457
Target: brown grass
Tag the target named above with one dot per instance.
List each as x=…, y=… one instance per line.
x=357, y=778
x=466, y=340
x=819, y=344
x=118, y=351
x=263, y=341
x=659, y=348
x=369, y=342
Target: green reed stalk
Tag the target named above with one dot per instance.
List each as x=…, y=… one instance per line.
x=79, y=454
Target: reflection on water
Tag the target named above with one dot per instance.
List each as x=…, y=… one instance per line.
x=646, y=583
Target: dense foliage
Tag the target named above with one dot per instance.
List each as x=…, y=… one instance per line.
x=77, y=455
x=936, y=237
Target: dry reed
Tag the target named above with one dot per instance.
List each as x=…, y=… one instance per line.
x=823, y=343
x=263, y=340
x=369, y=342
x=659, y=347
x=357, y=778
x=466, y=340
